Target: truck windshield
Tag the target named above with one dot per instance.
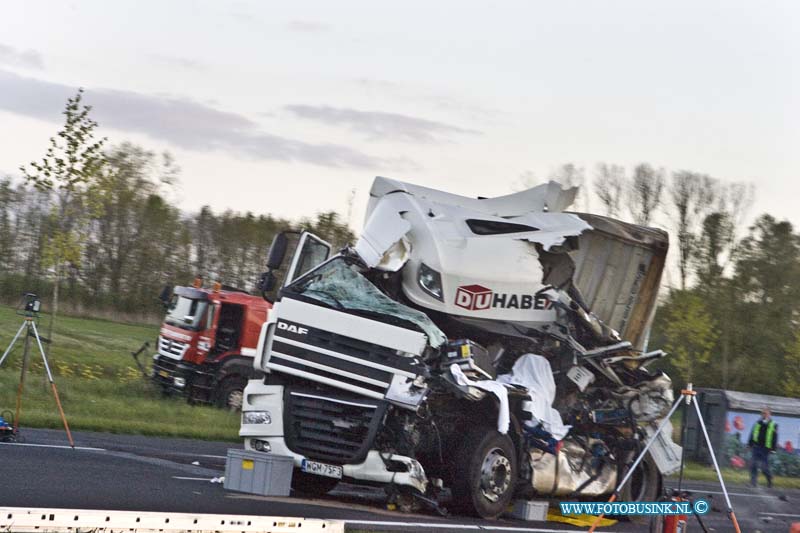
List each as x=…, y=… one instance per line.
x=186, y=313
x=340, y=285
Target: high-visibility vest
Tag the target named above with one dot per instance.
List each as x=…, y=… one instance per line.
x=769, y=440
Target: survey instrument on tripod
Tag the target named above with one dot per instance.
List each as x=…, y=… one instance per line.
x=29, y=309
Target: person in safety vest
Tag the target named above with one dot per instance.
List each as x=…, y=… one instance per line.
x=763, y=438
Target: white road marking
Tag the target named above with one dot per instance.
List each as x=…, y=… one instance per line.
x=704, y=491
x=780, y=514
x=189, y=454
x=53, y=446
x=206, y=479
x=435, y=525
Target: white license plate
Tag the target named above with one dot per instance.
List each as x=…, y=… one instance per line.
x=321, y=469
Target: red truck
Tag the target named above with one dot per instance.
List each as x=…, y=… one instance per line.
x=207, y=343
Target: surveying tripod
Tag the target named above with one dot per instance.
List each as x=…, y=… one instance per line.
x=688, y=397
x=30, y=310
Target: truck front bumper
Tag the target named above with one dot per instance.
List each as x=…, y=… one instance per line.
x=176, y=375
x=164, y=371
x=268, y=437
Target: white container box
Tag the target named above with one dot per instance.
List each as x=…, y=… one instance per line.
x=530, y=511
x=258, y=473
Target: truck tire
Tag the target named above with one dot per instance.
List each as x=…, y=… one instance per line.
x=485, y=473
x=312, y=485
x=645, y=484
x=230, y=392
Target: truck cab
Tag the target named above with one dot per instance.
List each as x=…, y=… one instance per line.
x=207, y=343
x=456, y=345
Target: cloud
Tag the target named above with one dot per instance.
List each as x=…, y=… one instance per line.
x=183, y=123
x=180, y=62
x=378, y=125
x=307, y=26
x=12, y=57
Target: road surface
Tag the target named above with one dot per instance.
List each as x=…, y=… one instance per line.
x=124, y=472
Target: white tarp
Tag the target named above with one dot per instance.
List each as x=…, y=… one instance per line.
x=534, y=373
x=498, y=389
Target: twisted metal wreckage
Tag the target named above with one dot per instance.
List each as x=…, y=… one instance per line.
x=492, y=346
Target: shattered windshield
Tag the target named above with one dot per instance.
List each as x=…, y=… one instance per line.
x=341, y=286
x=185, y=312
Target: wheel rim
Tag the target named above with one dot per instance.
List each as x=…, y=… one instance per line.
x=495, y=475
x=235, y=400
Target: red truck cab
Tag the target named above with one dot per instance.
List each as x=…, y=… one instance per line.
x=207, y=343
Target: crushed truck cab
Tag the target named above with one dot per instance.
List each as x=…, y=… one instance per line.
x=456, y=345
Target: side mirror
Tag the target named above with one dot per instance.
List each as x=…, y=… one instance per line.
x=277, y=251
x=166, y=295
x=266, y=282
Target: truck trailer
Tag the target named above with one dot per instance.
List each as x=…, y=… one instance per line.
x=492, y=346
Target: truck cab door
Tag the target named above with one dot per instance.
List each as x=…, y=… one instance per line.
x=206, y=341
x=291, y=255
x=311, y=251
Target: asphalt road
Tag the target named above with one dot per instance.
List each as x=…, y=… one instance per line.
x=137, y=473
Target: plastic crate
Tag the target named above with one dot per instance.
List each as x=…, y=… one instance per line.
x=258, y=473
x=530, y=511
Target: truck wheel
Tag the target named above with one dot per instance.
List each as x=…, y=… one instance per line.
x=230, y=393
x=312, y=485
x=645, y=483
x=485, y=473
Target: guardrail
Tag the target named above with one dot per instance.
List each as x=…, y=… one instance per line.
x=23, y=520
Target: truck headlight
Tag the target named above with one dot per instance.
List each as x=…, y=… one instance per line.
x=430, y=281
x=256, y=417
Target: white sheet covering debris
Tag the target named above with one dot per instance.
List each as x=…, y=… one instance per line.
x=498, y=389
x=534, y=373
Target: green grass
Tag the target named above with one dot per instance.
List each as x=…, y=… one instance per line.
x=99, y=385
x=700, y=472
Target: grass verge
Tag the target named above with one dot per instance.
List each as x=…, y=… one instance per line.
x=700, y=472
x=98, y=382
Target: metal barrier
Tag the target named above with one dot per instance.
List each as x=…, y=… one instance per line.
x=20, y=519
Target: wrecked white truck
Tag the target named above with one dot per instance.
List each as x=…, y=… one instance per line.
x=490, y=346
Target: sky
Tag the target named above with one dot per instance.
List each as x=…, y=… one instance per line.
x=289, y=107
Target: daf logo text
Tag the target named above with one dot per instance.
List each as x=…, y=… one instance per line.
x=291, y=328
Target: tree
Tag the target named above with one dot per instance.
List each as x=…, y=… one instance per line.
x=328, y=226
x=767, y=281
x=609, y=184
x=692, y=194
x=69, y=169
x=7, y=233
x=570, y=175
x=689, y=333
x=790, y=384
x=644, y=193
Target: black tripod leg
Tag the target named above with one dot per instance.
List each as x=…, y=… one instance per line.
x=700, y=521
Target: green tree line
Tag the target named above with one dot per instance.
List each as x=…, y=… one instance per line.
x=137, y=242
x=96, y=222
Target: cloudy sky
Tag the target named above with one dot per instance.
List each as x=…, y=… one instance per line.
x=286, y=107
